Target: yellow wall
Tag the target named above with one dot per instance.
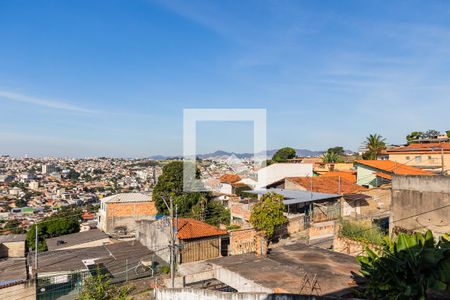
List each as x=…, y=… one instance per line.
x=427, y=160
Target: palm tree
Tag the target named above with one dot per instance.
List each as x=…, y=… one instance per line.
x=374, y=144
x=331, y=157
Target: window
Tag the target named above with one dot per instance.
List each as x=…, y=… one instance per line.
x=418, y=158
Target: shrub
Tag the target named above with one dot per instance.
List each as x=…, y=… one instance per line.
x=361, y=232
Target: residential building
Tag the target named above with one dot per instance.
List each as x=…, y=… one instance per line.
x=285, y=270
x=118, y=213
x=228, y=182
x=279, y=171
x=420, y=203
x=348, y=190
x=430, y=156
x=33, y=185
x=62, y=272
x=48, y=169
x=196, y=240
x=374, y=173
x=12, y=245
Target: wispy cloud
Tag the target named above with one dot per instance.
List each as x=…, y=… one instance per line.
x=50, y=103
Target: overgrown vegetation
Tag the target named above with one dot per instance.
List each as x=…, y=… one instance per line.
x=411, y=267
x=63, y=222
x=99, y=287
x=197, y=205
x=361, y=232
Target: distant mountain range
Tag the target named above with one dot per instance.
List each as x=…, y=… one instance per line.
x=220, y=154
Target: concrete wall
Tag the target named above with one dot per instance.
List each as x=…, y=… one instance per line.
x=189, y=294
x=420, y=203
x=365, y=176
x=23, y=291
x=155, y=236
x=12, y=249
x=429, y=160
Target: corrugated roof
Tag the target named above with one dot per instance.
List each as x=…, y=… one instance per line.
x=12, y=238
x=296, y=196
x=75, y=239
x=393, y=167
x=127, y=197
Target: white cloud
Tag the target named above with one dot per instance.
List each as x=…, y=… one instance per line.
x=55, y=104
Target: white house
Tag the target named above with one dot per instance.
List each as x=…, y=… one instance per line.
x=278, y=171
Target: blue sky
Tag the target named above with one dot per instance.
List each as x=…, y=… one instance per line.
x=91, y=77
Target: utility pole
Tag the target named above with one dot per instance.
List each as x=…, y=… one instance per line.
x=36, y=238
x=339, y=187
x=172, y=245
x=172, y=240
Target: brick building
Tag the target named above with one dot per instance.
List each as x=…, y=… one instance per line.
x=118, y=213
x=197, y=240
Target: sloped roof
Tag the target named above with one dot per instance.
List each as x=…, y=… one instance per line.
x=383, y=175
x=229, y=178
x=348, y=175
x=296, y=196
x=75, y=239
x=127, y=197
x=426, y=147
x=393, y=167
x=12, y=238
x=327, y=184
x=191, y=229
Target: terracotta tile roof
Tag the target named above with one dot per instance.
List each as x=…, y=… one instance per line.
x=350, y=175
x=327, y=184
x=419, y=148
x=393, y=167
x=229, y=178
x=384, y=175
x=192, y=229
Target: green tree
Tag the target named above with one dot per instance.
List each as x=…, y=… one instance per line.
x=63, y=222
x=197, y=205
x=284, y=154
x=73, y=175
x=375, y=143
x=21, y=203
x=331, y=157
x=268, y=214
x=99, y=287
x=217, y=213
x=170, y=184
x=338, y=150
x=431, y=134
x=408, y=268
x=415, y=135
